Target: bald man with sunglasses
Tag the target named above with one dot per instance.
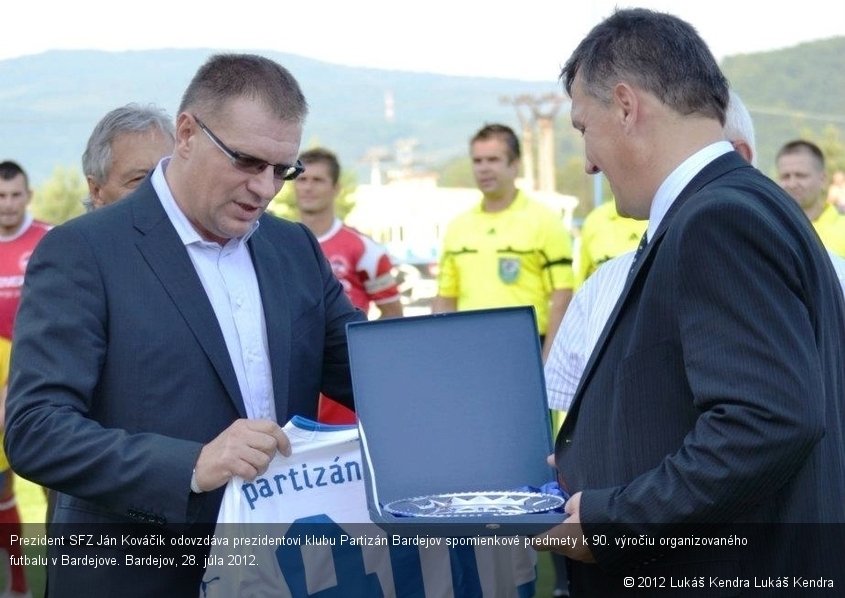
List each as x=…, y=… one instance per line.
x=161, y=341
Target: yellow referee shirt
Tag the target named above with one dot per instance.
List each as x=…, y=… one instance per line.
x=830, y=225
x=5, y=354
x=517, y=256
x=604, y=235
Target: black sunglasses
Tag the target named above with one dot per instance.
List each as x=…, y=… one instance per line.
x=251, y=164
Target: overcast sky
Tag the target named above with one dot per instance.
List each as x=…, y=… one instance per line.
x=524, y=39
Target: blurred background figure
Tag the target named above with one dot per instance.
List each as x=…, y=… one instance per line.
x=836, y=191
x=361, y=265
x=800, y=167
x=509, y=249
x=123, y=148
x=605, y=234
x=19, y=234
x=16, y=584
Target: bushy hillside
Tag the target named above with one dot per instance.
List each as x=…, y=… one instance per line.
x=791, y=92
x=50, y=102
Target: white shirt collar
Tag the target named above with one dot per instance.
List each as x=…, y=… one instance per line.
x=336, y=224
x=679, y=178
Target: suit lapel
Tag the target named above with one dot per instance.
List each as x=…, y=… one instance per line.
x=274, y=298
x=638, y=269
x=167, y=257
x=715, y=169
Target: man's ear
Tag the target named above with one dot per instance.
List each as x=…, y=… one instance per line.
x=94, y=190
x=186, y=129
x=627, y=102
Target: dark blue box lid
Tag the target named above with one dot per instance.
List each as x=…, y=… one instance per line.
x=451, y=403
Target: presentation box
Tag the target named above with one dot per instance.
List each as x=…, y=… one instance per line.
x=452, y=403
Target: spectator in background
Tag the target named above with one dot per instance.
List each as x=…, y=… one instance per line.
x=123, y=148
x=361, y=265
x=19, y=234
x=836, y=191
x=605, y=234
x=508, y=250
x=800, y=167
x=15, y=576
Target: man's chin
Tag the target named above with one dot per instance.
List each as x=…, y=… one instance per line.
x=627, y=212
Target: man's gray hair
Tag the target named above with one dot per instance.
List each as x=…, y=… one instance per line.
x=738, y=124
x=131, y=118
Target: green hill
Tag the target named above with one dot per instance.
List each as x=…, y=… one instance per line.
x=51, y=101
x=794, y=92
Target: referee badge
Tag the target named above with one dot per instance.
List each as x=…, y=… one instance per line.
x=508, y=269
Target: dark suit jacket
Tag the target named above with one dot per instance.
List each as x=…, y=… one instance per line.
x=715, y=394
x=120, y=375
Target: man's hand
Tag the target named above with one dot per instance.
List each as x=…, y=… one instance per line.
x=567, y=538
x=244, y=449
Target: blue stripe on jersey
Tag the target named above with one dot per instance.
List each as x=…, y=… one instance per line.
x=303, y=423
x=528, y=589
x=465, y=580
x=407, y=571
x=352, y=578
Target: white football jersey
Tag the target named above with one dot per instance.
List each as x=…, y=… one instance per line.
x=302, y=529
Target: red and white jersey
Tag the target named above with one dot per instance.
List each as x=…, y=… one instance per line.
x=361, y=265
x=15, y=251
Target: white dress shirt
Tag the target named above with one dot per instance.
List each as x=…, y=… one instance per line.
x=228, y=277
x=581, y=327
x=671, y=187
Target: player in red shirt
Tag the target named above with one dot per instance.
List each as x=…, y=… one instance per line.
x=19, y=234
x=362, y=265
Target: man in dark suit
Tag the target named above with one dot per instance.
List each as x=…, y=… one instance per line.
x=162, y=340
x=712, y=405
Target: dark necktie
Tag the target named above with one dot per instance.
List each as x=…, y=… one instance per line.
x=639, y=251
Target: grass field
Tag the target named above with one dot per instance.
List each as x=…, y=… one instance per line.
x=33, y=505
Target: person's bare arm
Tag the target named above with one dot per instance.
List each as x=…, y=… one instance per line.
x=391, y=309
x=559, y=302
x=444, y=304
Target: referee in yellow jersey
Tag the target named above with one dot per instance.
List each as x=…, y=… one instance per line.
x=508, y=250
